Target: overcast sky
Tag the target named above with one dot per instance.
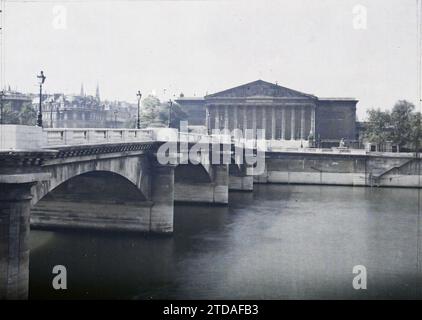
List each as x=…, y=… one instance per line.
x=196, y=47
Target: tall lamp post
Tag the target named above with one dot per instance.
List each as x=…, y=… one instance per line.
x=170, y=105
x=115, y=118
x=1, y=106
x=138, y=121
x=42, y=77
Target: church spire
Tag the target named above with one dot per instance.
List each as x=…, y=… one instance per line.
x=82, y=90
x=97, y=92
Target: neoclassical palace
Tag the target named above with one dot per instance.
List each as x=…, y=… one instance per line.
x=285, y=114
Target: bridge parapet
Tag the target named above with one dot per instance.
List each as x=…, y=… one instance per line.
x=173, y=135
x=77, y=136
x=19, y=137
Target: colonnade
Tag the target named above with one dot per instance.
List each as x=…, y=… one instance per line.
x=296, y=122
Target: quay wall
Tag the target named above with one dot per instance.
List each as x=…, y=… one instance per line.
x=383, y=170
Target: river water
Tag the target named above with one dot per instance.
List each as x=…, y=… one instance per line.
x=279, y=242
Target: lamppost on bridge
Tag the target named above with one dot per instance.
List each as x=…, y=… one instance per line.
x=138, y=121
x=115, y=118
x=42, y=78
x=1, y=106
x=170, y=105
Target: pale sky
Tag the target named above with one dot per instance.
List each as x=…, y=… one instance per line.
x=196, y=47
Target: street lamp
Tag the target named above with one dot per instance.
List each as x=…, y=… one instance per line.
x=138, y=121
x=115, y=118
x=42, y=77
x=1, y=106
x=170, y=104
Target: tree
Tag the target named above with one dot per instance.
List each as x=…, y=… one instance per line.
x=130, y=122
x=177, y=114
x=401, y=121
x=25, y=116
x=150, y=112
x=415, y=141
x=378, y=129
x=9, y=115
x=402, y=126
x=156, y=114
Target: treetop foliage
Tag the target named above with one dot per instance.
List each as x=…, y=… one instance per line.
x=401, y=125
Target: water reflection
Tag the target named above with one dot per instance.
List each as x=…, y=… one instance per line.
x=279, y=242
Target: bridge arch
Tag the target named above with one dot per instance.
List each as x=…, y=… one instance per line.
x=134, y=170
x=193, y=173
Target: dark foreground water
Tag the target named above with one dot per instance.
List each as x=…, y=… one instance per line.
x=279, y=242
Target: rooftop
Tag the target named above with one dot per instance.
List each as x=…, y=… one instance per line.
x=337, y=99
x=189, y=99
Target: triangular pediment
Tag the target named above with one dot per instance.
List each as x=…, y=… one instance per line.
x=259, y=88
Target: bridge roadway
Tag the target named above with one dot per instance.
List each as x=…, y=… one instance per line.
x=99, y=178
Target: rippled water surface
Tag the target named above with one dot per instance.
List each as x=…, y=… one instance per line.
x=279, y=242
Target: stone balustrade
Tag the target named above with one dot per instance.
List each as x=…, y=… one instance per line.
x=17, y=137
x=77, y=136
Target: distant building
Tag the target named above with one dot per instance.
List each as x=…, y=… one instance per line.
x=85, y=111
x=194, y=108
x=120, y=114
x=73, y=111
x=286, y=115
x=387, y=146
x=16, y=100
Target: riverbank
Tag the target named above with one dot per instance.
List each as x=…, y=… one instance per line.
x=347, y=169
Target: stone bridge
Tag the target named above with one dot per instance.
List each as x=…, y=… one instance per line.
x=113, y=179
x=99, y=178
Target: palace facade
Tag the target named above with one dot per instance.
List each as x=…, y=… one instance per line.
x=286, y=115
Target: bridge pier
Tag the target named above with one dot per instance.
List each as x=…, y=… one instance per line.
x=215, y=191
x=221, y=184
x=15, y=206
x=239, y=183
x=15, y=202
x=239, y=180
x=162, y=196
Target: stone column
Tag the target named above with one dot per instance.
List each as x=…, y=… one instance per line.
x=313, y=121
x=245, y=121
x=15, y=204
x=283, y=123
x=254, y=121
x=264, y=121
x=162, y=196
x=217, y=118
x=293, y=124
x=236, y=114
x=302, y=123
x=273, y=123
x=207, y=118
x=226, y=117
